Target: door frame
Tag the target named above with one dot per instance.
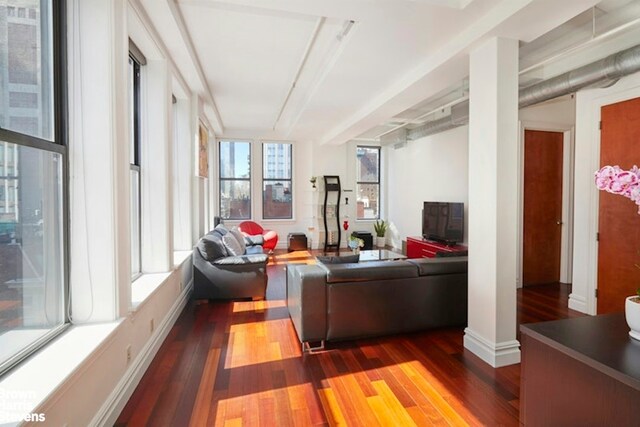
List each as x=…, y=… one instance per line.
x=568, y=156
x=588, y=114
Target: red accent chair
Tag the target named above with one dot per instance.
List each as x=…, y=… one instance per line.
x=250, y=228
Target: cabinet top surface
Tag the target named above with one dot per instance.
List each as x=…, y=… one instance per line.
x=419, y=239
x=602, y=342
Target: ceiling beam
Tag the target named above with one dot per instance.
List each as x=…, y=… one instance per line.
x=217, y=124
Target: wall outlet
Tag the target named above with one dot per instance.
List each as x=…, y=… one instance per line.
x=152, y=325
x=129, y=353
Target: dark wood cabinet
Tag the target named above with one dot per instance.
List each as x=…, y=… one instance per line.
x=417, y=247
x=580, y=372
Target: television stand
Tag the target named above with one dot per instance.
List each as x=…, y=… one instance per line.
x=418, y=247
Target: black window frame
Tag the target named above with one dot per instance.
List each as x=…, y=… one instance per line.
x=378, y=182
x=290, y=179
x=138, y=60
x=221, y=179
x=59, y=145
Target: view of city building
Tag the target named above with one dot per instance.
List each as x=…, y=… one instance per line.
x=30, y=178
x=277, y=198
x=235, y=180
x=368, y=185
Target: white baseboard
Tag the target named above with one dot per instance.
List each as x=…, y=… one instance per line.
x=115, y=403
x=495, y=354
x=578, y=303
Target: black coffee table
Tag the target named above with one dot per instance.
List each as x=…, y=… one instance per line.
x=380, y=255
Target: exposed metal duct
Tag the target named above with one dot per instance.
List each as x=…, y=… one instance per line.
x=459, y=117
x=398, y=136
x=602, y=73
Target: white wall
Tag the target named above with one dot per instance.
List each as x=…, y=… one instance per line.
x=434, y=168
x=560, y=112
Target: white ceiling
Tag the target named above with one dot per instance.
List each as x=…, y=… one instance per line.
x=242, y=56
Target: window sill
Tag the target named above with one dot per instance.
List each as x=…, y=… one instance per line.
x=146, y=284
x=279, y=221
x=179, y=257
x=29, y=384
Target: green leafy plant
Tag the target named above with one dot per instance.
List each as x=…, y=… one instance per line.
x=355, y=242
x=380, y=227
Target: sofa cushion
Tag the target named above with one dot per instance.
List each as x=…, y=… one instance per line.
x=211, y=247
x=221, y=229
x=364, y=271
x=436, y=266
x=243, y=260
x=338, y=259
x=239, y=237
x=232, y=245
x=252, y=250
x=254, y=240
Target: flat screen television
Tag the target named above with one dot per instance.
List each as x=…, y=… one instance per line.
x=443, y=222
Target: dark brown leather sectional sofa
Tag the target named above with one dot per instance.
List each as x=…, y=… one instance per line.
x=348, y=301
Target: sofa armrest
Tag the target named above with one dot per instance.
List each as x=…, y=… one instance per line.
x=241, y=277
x=307, y=301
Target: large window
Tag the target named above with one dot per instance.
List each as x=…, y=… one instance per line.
x=368, y=182
x=235, y=180
x=32, y=177
x=276, y=181
x=134, y=162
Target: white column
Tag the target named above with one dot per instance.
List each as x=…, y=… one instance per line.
x=155, y=168
x=99, y=155
x=493, y=140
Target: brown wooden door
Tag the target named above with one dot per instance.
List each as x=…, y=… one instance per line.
x=542, y=231
x=619, y=222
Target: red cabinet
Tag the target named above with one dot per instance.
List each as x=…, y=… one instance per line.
x=417, y=247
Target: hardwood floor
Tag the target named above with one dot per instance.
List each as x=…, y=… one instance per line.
x=240, y=363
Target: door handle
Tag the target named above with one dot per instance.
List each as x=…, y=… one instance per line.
x=559, y=222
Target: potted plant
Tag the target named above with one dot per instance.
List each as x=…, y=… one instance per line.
x=355, y=244
x=380, y=227
x=632, y=314
x=615, y=180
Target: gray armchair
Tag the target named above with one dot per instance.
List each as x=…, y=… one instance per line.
x=228, y=271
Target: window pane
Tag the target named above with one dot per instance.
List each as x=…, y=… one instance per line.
x=26, y=51
x=132, y=113
x=135, y=222
x=276, y=198
x=235, y=159
x=368, y=201
x=368, y=159
x=31, y=247
x=235, y=199
x=276, y=160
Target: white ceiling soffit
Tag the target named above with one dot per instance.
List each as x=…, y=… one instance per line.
x=398, y=53
x=166, y=25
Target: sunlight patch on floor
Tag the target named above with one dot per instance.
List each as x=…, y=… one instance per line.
x=260, y=342
x=246, y=306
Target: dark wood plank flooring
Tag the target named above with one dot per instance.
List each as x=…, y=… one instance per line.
x=240, y=363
